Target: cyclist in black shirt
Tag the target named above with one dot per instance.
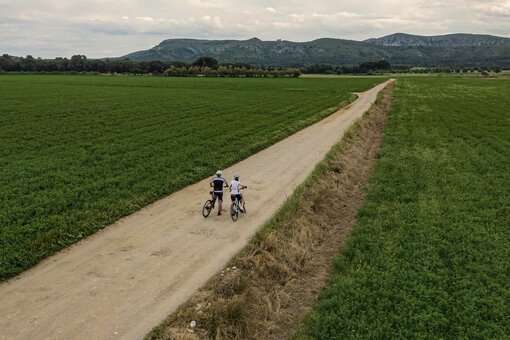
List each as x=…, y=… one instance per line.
x=218, y=183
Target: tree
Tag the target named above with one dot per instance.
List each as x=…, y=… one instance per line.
x=374, y=66
x=77, y=62
x=206, y=62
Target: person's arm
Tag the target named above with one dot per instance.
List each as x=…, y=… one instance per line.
x=226, y=183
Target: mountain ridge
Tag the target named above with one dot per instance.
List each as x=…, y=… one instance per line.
x=459, y=49
x=451, y=40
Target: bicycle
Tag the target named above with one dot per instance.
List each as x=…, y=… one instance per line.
x=209, y=205
x=235, y=209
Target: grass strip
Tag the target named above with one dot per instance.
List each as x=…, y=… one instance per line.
x=430, y=255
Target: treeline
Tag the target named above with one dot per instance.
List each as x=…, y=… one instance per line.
x=205, y=66
x=79, y=63
x=385, y=67
x=363, y=68
x=460, y=70
x=209, y=67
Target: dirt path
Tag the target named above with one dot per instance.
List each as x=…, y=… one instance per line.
x=124, y=280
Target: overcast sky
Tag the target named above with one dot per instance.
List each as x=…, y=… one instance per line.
x=99, y=28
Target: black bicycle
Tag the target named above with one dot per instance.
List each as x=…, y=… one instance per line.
x=237, y=208
x=209, y=205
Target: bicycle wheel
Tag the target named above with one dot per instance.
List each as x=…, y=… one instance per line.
x=208, y=207
x=234, y=211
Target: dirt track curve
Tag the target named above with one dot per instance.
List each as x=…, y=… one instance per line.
x=125, y=279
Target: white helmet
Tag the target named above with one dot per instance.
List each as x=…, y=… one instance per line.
x=219, y=173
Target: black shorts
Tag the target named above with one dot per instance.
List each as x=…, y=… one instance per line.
x=238, y=196
x=219, y=196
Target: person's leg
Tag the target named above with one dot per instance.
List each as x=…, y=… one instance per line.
x=220, y=203
x=240, y=198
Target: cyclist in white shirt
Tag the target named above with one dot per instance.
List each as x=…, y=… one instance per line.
x=235, y=190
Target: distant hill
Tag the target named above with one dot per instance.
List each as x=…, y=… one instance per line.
x=446, y=41
x=256, y=51
x=399, y=48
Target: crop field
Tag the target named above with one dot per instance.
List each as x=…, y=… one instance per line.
x=79, y=152
x=430, y=256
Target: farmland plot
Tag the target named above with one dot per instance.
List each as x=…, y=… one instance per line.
x=430, y=256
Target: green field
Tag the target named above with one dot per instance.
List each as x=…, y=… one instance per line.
x=430, y=256
x=78, y=152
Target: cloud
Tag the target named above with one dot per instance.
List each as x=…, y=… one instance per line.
x=101, y=28
x=147, y=19
x=299, y=18
x=495, y=9
x=206, y=4
x=282, y=24
x=213, y=21
x=337, y=15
